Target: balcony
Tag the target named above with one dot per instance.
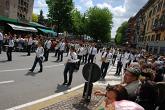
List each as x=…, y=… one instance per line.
x=159, y=24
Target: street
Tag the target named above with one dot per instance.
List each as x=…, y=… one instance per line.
x=17, y=86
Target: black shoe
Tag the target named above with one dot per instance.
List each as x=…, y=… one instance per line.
x=30, y=70
x=64, y=83
x=39, y=71
x=68, y=85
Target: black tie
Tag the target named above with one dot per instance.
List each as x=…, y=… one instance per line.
x=91, y=50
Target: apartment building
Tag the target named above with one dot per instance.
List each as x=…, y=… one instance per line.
x=150, y=27
x=17, y=9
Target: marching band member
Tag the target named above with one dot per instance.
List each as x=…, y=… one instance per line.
x=70, y=66
x=39, y=58
x=92, y=53
x=105, y=58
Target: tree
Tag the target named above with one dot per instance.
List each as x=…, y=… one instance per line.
x=41, y=18
x=78, y=22
x=120, y=37
x=34, y=17
x=99, y=23
x=60, y=14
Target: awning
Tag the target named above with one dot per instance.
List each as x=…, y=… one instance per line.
x=22, y=28
x=48, y=31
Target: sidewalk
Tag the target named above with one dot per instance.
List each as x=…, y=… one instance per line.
x=72, y=100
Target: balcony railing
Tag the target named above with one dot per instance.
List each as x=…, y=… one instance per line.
x=159, y=24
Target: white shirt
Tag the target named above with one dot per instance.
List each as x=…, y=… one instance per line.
x=40, y=52
x=1, y=36
x=48, y=44
x=62, y=46
x=93, y=51
x=11, y=43
x=72, y=58
x=80, y=51
x=85, y=50
x=30, y=41
x=108, y=56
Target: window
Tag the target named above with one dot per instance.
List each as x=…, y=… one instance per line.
x=162, y=50
x=153, y=38
x=150, y=13
x=7, y=4
x=148, y=39
x=158, y=37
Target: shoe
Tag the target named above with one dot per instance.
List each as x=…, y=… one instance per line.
x=39, y=71
x=68, y=85
x=31, y=70
x=65, y=83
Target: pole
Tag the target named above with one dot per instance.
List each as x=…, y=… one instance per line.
x=87, y=98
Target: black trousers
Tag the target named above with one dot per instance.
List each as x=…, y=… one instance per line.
x=56, y=52
x=46, y=54
x=85, y=58
x=91, y=58
x=37, y=60
x=29, y=49
x=104, y=68
x=60, y=55
x=119, y=67
x=69, y=67
x=9, y=53
x=1, y=44
x=114, y=59
x=79, y=57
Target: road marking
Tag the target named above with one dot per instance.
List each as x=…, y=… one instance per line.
x=29, y=68
x=45, y=99
x=19, y=107
x=5, y=82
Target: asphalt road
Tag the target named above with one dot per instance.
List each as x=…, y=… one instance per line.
x=17, y=86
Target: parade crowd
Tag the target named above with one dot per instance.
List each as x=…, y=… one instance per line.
x=143, y=73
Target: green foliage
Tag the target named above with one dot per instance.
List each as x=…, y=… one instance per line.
x=120, y=33
x=34, y=17
x=99, y=23
x=60, y=14
x=41, y=18
x=118, y=38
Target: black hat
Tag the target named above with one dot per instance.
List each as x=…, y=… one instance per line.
x=134, y=71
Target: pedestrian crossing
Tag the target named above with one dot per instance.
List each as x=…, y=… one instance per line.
x=110, y=78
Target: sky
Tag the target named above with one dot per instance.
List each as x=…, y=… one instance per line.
x=122, y=10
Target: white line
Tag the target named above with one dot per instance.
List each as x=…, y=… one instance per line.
x=5, y=82
x=45, y=99
x=29, y=68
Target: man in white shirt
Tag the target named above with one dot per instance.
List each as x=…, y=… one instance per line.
x=30, y=42
x=47, y=46
x=10, y=48
x=39, y=58
x=85, y=54
x=1, y=41
x=61, y=51
x=70, y=66
x=92, y=53
x=80, y=54
x=106, y=57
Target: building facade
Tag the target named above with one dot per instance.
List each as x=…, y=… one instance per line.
x=17, y=9
x=150, y=27
x=130, y=33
